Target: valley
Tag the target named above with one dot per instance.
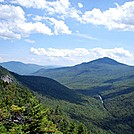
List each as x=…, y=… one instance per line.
x=99, y=94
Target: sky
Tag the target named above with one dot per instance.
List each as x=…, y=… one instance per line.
x=66, y=32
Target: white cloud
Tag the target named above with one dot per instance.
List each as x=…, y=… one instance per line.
x=13, y=24
x=53, y=52
x=75, y=14
x=38, y=18
x=31, y=3
x=37, y=27
x=120, y=18
x=79, y=55
x=60, y=27
x=61, y=8
x=1, y=0
x=30, y=41
x=57, y=6
x=9, y=16
x=80, y=5
x=113, y=53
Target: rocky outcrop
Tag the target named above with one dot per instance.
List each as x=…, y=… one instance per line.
x=6, y=78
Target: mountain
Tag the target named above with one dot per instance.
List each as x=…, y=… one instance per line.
x=49, y=87
x=22, y=68
x=105, y=107
x=111, y=81
x=90, y=74
x=76, y=106
x=21, y=112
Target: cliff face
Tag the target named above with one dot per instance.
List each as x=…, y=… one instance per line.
x=6, y=78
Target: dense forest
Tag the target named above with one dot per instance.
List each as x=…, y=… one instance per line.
x=22, y=113
x=102, y=104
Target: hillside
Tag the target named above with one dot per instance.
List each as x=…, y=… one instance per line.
x=21, y=112
x=112, y=81
x=22, y=68
x=49, y=87
x=105, y=108
x=76, y=106
x=90, y=74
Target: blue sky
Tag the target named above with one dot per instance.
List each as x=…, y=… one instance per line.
x=66, y=32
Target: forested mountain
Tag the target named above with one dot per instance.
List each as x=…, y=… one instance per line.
x=101, y=97
x=112, y=81
x=22, y=68
x=90, y=74
x=21, y=112
x=49, y=87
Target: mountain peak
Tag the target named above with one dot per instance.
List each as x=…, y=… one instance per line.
x=106, y=60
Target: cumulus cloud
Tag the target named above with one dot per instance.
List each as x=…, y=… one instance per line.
x=31, y=3
x=58, y=6
x=60, y=27
x=61, y=8
x=9, y=16
x=120, y=18
x=53, y=52
x=79, y=55
x=37, y=27
x=113, y=53
x=13, y=24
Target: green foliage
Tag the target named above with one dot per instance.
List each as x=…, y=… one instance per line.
x=113, y=81
x=64, y=109
x=49, y=87
x=21, y=113
x=91, y=74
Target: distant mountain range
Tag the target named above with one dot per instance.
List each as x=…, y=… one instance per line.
x=22, y=68
x=102, y=71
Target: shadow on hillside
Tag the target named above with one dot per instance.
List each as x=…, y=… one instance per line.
x=94, y=90
x=120, y=79
x=122, y=92
x=50, y=88
x=99, y=90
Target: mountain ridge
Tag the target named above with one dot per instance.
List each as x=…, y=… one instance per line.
x=48, y=87
x=88, y=74
x=23, y=68
x=105, y=60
